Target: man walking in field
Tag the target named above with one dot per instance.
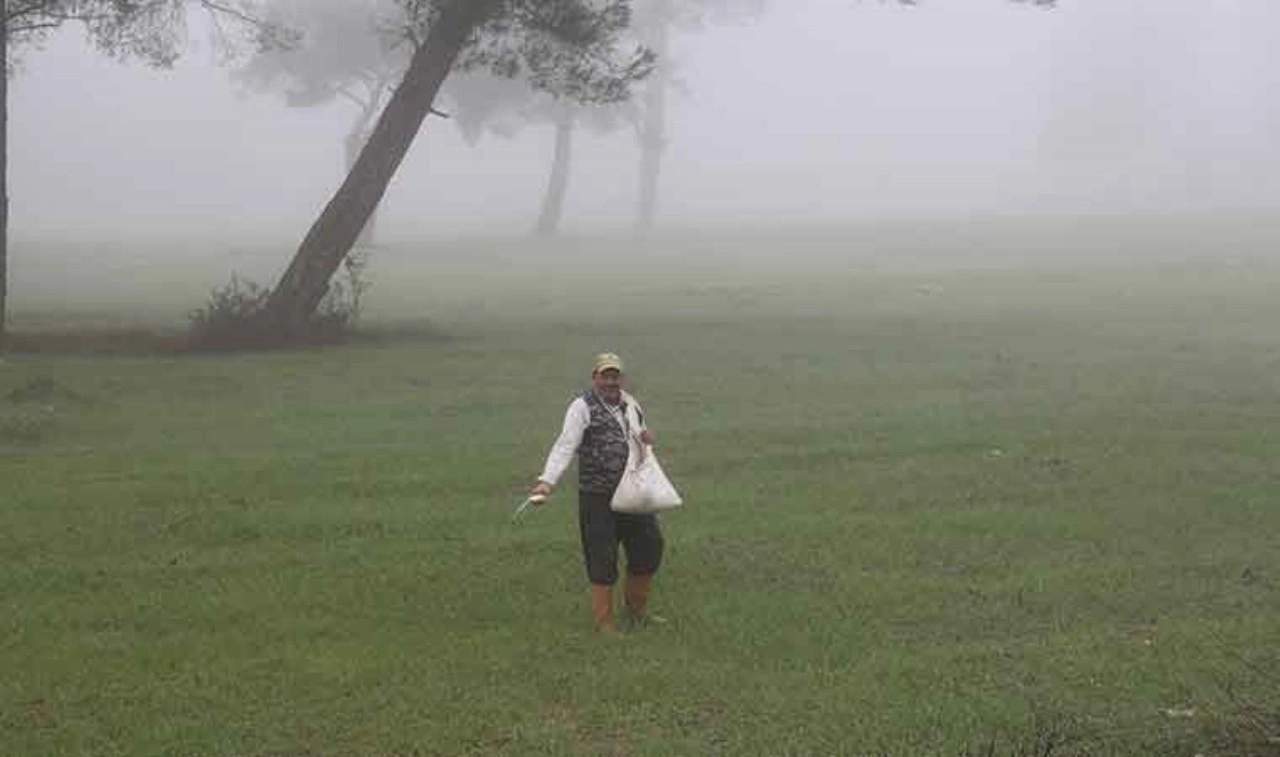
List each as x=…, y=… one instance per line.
x=597, y=427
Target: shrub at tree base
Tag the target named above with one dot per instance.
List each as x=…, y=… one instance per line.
x=235, y=316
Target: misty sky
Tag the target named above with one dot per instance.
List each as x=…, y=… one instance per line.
x=819, y=110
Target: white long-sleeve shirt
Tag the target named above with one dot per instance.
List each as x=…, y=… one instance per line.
x=576, y=419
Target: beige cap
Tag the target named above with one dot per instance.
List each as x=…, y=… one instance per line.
x=605, y=361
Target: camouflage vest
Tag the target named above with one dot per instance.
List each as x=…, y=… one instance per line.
x=602, y=455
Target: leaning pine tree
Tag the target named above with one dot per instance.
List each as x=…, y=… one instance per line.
x=569, y=48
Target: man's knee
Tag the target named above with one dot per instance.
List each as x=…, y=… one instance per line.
x=644, y=552
x=602, y=569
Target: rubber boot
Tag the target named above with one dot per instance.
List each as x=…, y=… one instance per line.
x=602, y=610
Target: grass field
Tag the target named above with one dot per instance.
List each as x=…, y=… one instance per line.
x=950, y=489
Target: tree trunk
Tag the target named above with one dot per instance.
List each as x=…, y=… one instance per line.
x=4, y=175
x=354, y=142
x=653, y=136
x=553, y=201
x=304, y=283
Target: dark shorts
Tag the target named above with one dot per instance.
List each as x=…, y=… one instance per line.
x=602, y=530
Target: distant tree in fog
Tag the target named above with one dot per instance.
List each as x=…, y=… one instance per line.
x=502, y=106
x=655, y=22
x=487, y=104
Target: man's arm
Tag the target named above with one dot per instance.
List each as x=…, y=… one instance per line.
x=576, y=420
x=643, y=433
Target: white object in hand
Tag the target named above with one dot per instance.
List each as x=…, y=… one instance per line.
x=534, y=500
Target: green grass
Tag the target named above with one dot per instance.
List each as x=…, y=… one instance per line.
x=935, y=497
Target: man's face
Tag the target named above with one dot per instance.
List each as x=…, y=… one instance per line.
x=608, y=384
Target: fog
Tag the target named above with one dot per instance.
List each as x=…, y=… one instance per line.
x=816, y=111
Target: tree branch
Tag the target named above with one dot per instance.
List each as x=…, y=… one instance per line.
x=235, y=13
